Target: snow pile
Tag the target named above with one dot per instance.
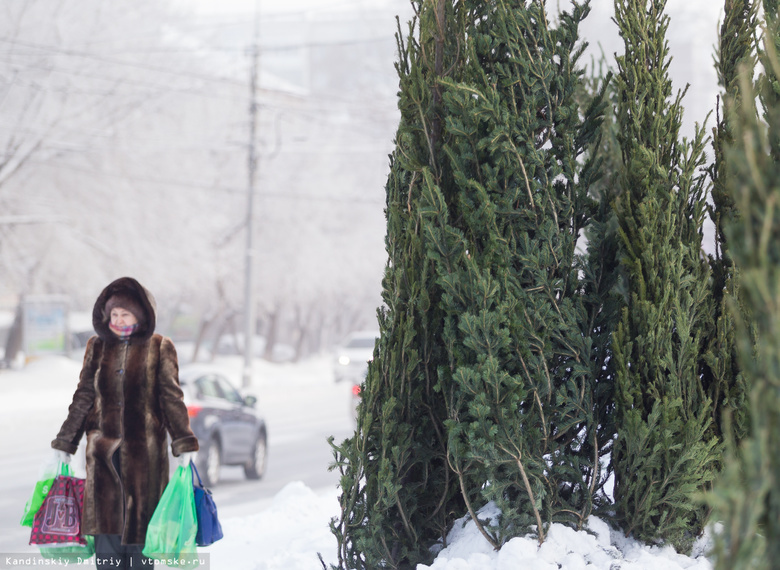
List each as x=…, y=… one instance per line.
x=598, y=548
x=293, y=532
x=288, y=535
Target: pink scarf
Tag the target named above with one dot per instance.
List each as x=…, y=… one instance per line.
x=123, y=332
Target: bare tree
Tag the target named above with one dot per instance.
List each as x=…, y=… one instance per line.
x=124, y=128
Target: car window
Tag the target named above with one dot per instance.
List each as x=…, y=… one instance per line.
x=208, y=387
x=229, y=393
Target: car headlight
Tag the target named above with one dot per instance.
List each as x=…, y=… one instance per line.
x=344, y=360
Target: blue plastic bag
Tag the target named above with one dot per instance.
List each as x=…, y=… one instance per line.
x=209, y=528
x=170, y=536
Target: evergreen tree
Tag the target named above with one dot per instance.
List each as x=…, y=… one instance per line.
x=723, y=378
x=522, y=426
x=398, y=494
x=664, y=454
x=480, y=387
x=747, y=497
x=600, y=272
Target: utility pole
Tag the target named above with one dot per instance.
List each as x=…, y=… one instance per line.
x=249, y=297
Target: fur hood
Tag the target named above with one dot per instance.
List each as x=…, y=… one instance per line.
x=131, y=288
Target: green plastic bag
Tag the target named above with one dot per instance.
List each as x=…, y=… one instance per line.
x=42, y=487
x=74, y=553
x=170, y=536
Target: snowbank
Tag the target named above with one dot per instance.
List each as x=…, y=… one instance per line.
x=598, y=548
x=288, y=535
x=294, y=531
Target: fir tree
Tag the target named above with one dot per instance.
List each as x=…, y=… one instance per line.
x=522, y=428
x=664, y=454
x=600, y=270
x=398, y=494
x=747, y=498
x=480, y=388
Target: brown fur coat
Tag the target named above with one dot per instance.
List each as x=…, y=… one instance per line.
x=127, y=398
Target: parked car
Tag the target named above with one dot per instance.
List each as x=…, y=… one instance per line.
x=228, y=427
x=351, y=357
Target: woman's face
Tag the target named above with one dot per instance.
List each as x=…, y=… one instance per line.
x=122, y=317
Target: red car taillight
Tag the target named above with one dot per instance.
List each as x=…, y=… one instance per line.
x=193, y=411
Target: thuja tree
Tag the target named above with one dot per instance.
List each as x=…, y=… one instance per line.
x=398, y=494
x=664, y=454
x=723, y=377
x=522, y=428
x=747, y=496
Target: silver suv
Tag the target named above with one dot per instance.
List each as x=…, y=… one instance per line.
x=351, y=357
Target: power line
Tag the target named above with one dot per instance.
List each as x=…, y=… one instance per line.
x=171, y=142
x=27, y=220
x=114, y=80
x=323, y=98
x=112, y=61
x=218, y=188
x=265, y=47
x=213, y=78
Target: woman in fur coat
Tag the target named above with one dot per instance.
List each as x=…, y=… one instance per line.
x=127, y=399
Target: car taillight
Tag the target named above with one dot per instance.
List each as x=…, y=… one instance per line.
x=356, y=390
x=193, y=411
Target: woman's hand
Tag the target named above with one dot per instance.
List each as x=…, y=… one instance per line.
x=61, y=456
x=184, y=459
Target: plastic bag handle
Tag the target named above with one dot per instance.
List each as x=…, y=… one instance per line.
x=195, y=470
x=65, y=469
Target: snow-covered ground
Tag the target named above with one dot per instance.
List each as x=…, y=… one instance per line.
x=291, y=531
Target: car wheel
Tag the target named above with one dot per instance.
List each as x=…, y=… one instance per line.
x=212, y=463
x=255, y=467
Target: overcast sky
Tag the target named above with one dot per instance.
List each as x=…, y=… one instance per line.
x=693, y=31
x=692, y=36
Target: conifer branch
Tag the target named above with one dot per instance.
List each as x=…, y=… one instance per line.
x=473, y=515
x=531, y=498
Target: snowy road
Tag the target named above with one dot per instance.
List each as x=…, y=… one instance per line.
x=300, y=419
x=301, y=404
